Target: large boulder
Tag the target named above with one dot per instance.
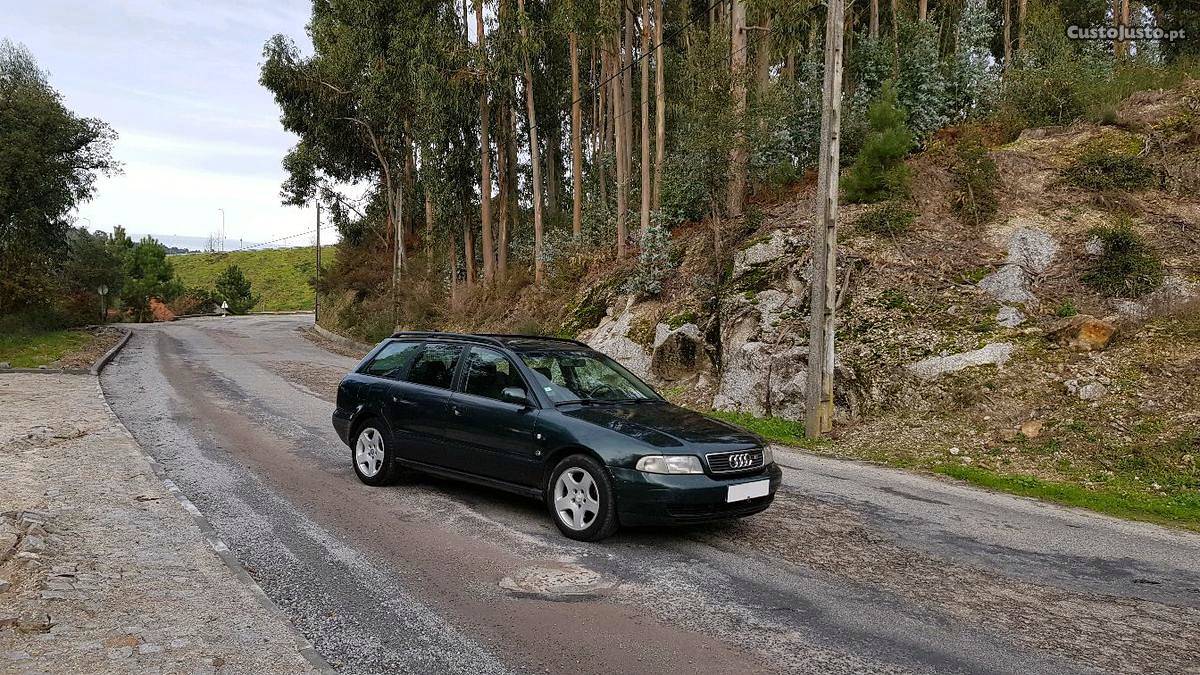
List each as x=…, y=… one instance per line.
x=1082, y=332
x=995, y=354
x=764, y=380
x=679, y=353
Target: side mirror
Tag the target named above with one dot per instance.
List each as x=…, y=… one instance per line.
x=514, y=395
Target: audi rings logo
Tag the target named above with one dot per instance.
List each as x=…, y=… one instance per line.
x=742, y=460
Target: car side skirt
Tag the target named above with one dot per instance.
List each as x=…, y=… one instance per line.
x=453, y=474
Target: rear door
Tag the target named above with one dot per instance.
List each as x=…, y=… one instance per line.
x=496, y=436
x=420, y=403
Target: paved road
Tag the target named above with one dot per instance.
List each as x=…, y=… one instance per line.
x=855, y=569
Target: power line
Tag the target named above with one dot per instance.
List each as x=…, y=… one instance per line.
x=274, y=241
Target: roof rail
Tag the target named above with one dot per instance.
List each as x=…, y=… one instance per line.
x=534, y=337
x=463, y=337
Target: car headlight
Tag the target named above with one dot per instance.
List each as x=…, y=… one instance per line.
x=768, y=456
x=670, y=464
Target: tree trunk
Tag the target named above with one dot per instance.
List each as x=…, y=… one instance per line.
x=502, y=171
x=618, y=109
x=627, y=94
x=576, y=143
x=1121, y=18
x=645, y=163
x=896, y=37
x=605, y=138
x=485, y=161
x=534, y=154
x=874, y=26
x=1021, y=7
x=551, y=165
x=469, y=253
x=660, y=104
x=738, y=157
x=1007, y=35
x=922, y=10
x=428, y=222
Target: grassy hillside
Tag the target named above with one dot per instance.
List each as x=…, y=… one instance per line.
x=280, y=275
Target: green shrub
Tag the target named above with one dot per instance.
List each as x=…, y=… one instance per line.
x=879, y=172
x=654, y=262
x=1101, y=168
x=1066, y=309
x=889, y=218
x=975, y=177
x=1126, y=266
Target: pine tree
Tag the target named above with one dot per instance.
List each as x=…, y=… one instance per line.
x=879, y=172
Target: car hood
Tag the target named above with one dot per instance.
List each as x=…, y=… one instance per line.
x=661, y=424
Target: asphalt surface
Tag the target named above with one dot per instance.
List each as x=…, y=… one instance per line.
x=856, y=568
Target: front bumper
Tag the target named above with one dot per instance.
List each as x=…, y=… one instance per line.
x=656, y=499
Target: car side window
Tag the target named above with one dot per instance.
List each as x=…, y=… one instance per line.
x=435, y=366
x=391, y=360
x=489, y=372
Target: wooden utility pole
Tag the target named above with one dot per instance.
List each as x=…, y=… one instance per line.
x=317, y=289
x=823, y=294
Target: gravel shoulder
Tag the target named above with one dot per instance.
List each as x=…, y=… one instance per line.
x=101, y=567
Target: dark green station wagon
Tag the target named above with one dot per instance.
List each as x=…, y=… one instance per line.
x=552, y=419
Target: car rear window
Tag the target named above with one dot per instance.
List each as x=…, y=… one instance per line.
x=435, y=366
x=391, y=360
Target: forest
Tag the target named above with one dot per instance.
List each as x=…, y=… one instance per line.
x=595, y=128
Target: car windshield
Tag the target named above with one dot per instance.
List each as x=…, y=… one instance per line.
x=577, y=377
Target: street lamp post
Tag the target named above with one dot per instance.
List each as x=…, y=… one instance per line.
x=221, y=232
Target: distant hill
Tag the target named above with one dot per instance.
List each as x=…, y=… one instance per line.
x=280, y=275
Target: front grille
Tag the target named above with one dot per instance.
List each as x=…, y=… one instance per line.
x=732, y=462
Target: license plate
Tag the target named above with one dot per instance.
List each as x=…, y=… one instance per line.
x=738, y=493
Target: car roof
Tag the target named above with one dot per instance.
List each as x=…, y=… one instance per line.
x=522, y=343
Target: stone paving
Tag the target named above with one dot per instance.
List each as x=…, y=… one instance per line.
x=102, y=569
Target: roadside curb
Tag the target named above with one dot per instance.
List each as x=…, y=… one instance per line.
x=108, y=356
x=219, y=547
x=341, y=339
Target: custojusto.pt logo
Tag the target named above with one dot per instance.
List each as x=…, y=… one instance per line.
x=1125, y=33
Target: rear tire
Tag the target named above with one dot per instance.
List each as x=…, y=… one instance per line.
x=581, y=499
x=373, y=454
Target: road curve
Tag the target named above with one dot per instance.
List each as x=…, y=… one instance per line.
x=856, y=568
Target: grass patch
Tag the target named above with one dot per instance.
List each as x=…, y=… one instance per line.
x=1101, y=168
x=30, y=349
x=280, y=275
x=889, y=218
x=773, y=429
x=1180, y=510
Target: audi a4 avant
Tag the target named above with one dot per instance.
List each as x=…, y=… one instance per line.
x=551, y=419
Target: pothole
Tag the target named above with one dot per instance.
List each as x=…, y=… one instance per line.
x=561, y=581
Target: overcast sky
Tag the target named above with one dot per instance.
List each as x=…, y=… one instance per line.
x=179, y=83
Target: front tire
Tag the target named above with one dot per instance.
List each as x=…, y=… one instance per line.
x=581, y=499
x=372, y=455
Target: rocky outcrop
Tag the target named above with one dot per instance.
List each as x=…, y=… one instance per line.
x=612, y=337
x=995, y=354
x=1083, y=333
x=1031, y=250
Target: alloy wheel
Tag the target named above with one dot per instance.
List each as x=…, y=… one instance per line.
x=576, y=498
x=368, y=452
